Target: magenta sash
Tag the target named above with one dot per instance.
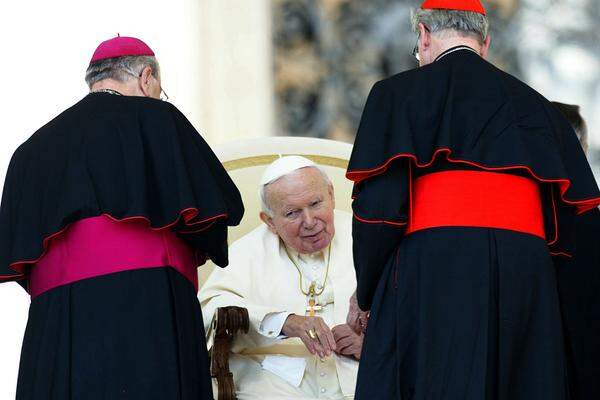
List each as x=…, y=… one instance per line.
x=98, y=246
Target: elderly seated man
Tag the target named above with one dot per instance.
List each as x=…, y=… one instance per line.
x=295, y=275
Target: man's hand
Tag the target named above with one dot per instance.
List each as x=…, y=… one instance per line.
x=322, y=343
x=348, y=342
x=357, y=319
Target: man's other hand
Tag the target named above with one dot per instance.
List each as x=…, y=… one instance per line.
x=357, y=319
x=348, y=342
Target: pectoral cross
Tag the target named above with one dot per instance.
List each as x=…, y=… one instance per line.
x=312, y=307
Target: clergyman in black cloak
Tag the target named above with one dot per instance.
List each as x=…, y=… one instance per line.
x=106, y=213
x=466, y=184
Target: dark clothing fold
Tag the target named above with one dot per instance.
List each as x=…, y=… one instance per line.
x=465, y=314
x=135, y=335
x=579, y=289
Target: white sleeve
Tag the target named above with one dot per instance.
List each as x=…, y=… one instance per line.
x=272, y=324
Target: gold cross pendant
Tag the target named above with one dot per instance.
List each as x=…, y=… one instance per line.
x=313, y=307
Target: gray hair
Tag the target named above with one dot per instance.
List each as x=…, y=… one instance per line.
x=466, y=23
x=263, y=189
x=120, y=69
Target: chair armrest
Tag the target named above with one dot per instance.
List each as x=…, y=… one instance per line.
x=227, y=323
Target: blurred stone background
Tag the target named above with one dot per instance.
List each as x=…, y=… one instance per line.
x=328, y=53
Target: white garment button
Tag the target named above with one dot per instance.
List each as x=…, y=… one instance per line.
x=314, y=267
x=322, y=390
x=322, y=374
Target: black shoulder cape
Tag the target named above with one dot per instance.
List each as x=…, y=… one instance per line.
x=459, y=110
x=121, y=156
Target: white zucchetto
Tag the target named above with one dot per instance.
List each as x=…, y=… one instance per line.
x=283, y=166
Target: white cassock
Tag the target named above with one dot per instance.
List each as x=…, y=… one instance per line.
x=262, y=278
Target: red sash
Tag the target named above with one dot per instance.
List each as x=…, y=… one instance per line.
x=476, y=199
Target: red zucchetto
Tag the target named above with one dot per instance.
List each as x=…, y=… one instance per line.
x=458, y=5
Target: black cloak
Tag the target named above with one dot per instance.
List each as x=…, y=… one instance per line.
x=463, y=111
x=121, y=156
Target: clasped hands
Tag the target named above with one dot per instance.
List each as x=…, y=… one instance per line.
x=322, y=341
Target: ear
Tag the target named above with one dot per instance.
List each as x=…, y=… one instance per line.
x=331, y=194
x=424, y=37
x=485, y=47
x=268, y=220
x=145, y=80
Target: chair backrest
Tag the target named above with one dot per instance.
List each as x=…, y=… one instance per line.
x=245, y=161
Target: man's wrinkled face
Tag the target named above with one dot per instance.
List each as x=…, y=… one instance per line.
x=302, y=204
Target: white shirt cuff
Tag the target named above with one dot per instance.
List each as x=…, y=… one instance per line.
x=272, y=324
